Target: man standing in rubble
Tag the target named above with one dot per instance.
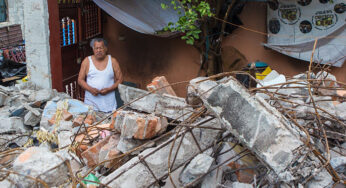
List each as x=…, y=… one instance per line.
x=99, y=76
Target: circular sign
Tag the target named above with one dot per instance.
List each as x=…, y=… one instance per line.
x=324, y=19
x=289, y=14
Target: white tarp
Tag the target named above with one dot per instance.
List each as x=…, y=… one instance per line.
x=294, y=25
x=144, y=16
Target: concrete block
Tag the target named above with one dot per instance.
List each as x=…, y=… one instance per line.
x=139, y=175
x=259, y=126
x=161, y=105
x=159, y=82
x=40, y=162
x=198, y=166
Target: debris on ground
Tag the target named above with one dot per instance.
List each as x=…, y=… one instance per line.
x=285, y=132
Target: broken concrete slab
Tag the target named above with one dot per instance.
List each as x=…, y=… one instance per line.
x=161, y=105
x=198, y=166
x=12, y=125
x=267, y=133
x=41, y=163
x=138, y=125
x=139, y=175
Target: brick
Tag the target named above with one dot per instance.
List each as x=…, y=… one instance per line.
x=90, y=119
x=67, y=116
x=243, y=176
x=159, y=82
x=51, y=121
x=92, y=154
x=138, y=125
x=109, y=150
x=78, y=121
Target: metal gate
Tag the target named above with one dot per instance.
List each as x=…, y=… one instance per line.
x=80, y=21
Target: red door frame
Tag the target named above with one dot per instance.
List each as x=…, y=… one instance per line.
x=54, y=43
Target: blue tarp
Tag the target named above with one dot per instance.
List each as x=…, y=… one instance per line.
x=144, y=16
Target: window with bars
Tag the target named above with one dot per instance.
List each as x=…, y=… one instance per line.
x=3, y=11
x=68, y=31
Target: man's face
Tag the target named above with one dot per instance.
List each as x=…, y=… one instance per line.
x=100, y=50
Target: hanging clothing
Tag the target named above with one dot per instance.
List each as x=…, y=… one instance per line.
x=100, y=80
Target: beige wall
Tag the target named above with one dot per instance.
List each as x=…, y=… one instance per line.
x=143, y=57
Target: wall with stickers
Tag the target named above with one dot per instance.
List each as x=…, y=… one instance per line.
x=254, y=16
x=294, y=25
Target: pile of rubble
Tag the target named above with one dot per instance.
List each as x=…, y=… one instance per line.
x=285, y=132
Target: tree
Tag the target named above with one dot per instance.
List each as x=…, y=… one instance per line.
x=201, y=24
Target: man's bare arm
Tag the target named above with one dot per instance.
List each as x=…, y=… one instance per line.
x=118, y=77
x=81, y=78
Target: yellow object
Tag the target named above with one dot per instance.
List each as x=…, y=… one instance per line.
x=25, y=79
x=263, y=74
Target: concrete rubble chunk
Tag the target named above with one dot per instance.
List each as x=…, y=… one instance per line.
x=198, y=166
x=138, y=125
x=241, y=185
x=161, y=105
x=259, y=126
x=40, y=162
x=139, y=176
x=64, y=138
x=127, y=144
x=12, y=124
x=25, y=86
x=42, y=95
x=17, y=138
x=161, y=82
x=31, y=119
x=3, y=97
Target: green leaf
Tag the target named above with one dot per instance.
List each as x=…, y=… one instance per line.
x=164, y=6
x=190, y=41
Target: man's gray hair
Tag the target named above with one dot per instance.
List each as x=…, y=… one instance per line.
x=92, y=42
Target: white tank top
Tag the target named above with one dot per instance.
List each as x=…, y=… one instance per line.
x=99, y=80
